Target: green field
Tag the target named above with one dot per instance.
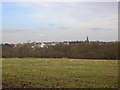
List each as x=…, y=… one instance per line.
x=59, y=73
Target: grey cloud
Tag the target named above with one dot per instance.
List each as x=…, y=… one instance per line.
x=63, y=28
x=97, y=28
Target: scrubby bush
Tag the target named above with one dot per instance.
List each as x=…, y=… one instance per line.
x=83, y=50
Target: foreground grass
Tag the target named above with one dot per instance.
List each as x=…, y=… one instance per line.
x=59, y=73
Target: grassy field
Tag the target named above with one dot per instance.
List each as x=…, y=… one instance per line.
x=59, y=73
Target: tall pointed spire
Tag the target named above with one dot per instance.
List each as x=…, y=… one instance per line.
x=87, y=40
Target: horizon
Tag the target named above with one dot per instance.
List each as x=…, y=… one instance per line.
x=46, y=22
x=58, y=41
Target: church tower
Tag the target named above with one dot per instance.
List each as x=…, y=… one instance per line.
x=87, y=40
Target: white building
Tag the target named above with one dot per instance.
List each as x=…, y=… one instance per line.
x=42, y=45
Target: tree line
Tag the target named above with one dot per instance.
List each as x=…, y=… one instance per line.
x=82, y=51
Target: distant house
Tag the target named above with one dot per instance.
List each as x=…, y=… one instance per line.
x=36, y=45
x=18, y=45
x=66, y=43
x=42, y=45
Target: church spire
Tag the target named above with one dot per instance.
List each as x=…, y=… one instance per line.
x=87, y=40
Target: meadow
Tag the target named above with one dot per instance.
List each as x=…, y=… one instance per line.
x=59, y=73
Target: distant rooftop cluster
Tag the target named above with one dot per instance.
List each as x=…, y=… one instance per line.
x=35, y=45
x=41, y=45
x=50, y=44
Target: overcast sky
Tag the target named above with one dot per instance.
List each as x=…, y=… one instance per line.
x=40, y=21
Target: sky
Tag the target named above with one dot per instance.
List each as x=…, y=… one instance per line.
x=59, y=21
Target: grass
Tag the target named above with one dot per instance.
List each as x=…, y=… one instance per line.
x=59, y=73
